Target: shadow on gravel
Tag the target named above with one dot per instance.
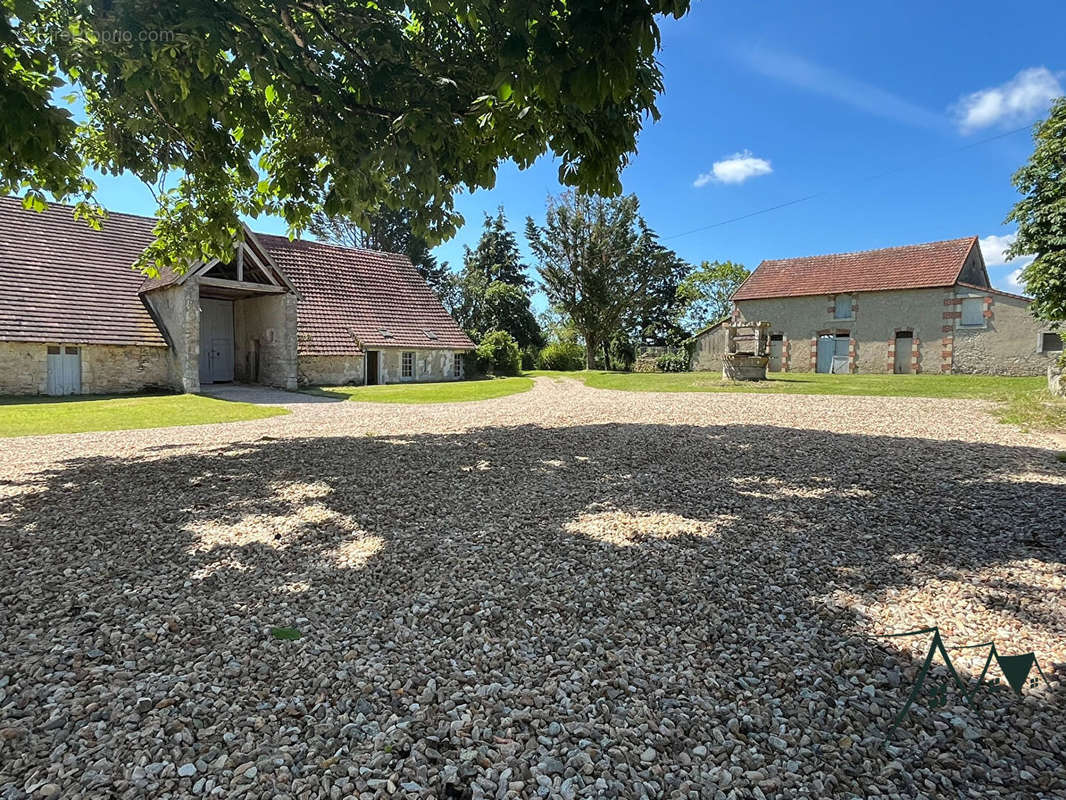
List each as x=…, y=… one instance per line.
x=614, y=574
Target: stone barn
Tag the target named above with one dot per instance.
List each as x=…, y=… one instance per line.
x=75, y=318
x=919, y=308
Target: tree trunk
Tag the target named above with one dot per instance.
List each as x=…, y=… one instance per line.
x=606, y=356
x=591, y=348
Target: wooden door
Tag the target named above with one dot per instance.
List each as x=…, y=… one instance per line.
x=216, y=340
x=64, y=370
x=775, y=353
x=826, y=348
x=902, y=360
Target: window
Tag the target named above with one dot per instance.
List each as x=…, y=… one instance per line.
x=1050, y=342
x=457, y=365
x=407, y=365
x=973, y=312
x=842, y=306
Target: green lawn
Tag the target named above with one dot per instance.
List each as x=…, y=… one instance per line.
x=1021, y=401
x=419, y=393
x=26, y=416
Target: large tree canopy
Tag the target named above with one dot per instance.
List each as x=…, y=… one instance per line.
x=1041, y=217
x=340, y=107
x=597, y=259
x=707, y=292
x=493, y=289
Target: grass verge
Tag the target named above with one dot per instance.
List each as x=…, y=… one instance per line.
x=1021, y=401
x=421, y=393
x=35, y=416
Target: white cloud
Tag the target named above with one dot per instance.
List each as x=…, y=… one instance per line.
x=813, y=77
x=1023, y=97
x=736, y=168
x=994, y=248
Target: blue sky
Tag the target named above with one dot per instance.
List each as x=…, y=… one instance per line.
x=772, y=102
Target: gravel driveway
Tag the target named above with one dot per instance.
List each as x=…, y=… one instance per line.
x=562, y=593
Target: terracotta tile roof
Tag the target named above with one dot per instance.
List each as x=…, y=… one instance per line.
x=352, y=297
x=914, y=266
x=61, y=281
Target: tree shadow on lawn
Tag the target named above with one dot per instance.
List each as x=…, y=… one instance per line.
x=616, y=574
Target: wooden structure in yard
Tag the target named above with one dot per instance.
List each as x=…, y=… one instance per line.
x=747, y=351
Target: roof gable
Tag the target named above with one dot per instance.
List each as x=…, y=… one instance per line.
x=910, y=267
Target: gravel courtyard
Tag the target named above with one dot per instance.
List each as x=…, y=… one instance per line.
x=563, y=593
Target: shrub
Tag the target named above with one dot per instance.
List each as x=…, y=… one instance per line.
x=529, y=357
x=672, y=362
x=498, y=354
x=562, y=356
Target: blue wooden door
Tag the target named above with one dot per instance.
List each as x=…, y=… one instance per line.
x=216, y=340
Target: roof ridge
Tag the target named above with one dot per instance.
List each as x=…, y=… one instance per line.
x=872, y=250
x=260, y=234
x=55, y=203
x=332, y=245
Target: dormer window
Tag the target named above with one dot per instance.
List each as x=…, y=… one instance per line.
x=842, y=306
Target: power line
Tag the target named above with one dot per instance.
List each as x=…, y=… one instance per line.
x=856, y=184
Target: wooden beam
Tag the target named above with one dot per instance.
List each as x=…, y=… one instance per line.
x=242, y=286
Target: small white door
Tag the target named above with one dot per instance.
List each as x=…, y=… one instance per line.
x=64, y=370
x=904, y=345
x=775, y=353
x=216, y=340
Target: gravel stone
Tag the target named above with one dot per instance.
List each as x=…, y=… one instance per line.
x=564, y=593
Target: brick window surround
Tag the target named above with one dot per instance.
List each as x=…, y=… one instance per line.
x=832, y=310
x=953, y=319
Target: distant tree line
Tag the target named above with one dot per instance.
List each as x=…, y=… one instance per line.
x=612, y=285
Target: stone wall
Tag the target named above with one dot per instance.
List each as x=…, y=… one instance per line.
x=109, y=369
x=331, y=370
x=105, y=369
x=265, y=331
x=708, y=348
x=429, y=365
x=1007, y=344
x=177, y=309
x=23, y=368
x=875, y=319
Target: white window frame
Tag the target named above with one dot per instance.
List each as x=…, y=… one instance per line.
x=972, y=301
x=407, y=364
x=457, y=365
x=836, y=306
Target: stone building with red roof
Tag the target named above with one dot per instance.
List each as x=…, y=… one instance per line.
x=75, y=318
x=918, y=308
